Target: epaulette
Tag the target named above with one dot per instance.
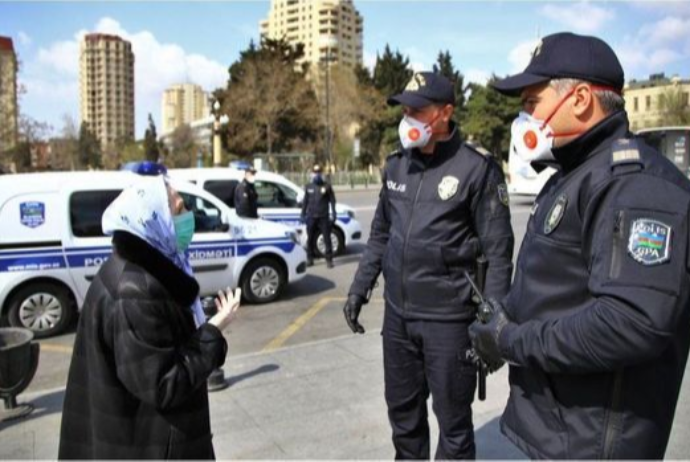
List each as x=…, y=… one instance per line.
x=479, y=149
x=625, y=156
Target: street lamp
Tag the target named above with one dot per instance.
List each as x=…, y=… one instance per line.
x=329, y=42
x=218, y=121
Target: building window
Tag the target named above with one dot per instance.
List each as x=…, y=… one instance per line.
x=635, y=105
x=647, y=103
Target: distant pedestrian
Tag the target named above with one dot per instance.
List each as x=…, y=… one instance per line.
x=246, y=198
x=143, y=350
x=318, y=212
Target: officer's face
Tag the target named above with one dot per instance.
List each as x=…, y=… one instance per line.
x=541, y=101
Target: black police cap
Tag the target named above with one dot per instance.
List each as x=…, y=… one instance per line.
x=567, y=56
x=424, y=89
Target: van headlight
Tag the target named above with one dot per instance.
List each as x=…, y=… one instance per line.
x=351, y=214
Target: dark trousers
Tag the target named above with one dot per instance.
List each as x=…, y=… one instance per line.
x=314, y=225
x=421, y=357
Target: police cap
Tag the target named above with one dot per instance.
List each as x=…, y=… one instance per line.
x=425, y=89
x=567, y=56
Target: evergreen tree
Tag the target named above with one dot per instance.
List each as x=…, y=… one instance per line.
x=151, y=147
x=444, y=66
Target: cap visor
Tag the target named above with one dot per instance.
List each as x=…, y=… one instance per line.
x=408, y=99
x=513, y=85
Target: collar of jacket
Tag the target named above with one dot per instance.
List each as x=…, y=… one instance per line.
x=182, y=287
x=443, y=149
x=589, y=143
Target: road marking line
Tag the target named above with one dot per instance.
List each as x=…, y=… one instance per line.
x=298, y=323
x=56, y=348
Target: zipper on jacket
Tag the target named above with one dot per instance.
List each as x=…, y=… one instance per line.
x=407, y=236
x=614, y=417
x=618, y=231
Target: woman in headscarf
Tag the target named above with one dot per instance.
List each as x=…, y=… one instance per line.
x=143, y=350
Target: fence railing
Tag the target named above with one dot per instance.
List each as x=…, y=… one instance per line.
x=353, y=178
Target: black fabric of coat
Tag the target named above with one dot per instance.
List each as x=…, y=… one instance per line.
x=137, y=381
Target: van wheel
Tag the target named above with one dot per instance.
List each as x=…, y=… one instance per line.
x=43, y=308
x=263, y=280
x=337, y=243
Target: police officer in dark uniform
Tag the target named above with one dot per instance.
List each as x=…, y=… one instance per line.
x=442, y=205
x=246, y=198
x=596, y=325
x=319, y=200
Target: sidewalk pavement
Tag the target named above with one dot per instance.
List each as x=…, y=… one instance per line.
x=322, y=400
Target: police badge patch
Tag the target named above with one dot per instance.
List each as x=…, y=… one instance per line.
x=448, y=187
x=553, y=219
x=650, y=242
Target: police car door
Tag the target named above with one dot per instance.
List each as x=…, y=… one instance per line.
x=212, y=251
x=86, y=247
x=278, y=203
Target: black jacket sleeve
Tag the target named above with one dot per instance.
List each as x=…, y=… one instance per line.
x=149, y=360
x=492, y=224
x=331, y=200
x=372, y=261
x=635, y=307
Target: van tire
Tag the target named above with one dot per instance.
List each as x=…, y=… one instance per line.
x=55, y=311
x=337, y=242
x=263, y=280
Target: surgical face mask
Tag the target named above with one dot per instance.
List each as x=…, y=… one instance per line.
x=184, y=230
x=413, y=133
x=316, y=178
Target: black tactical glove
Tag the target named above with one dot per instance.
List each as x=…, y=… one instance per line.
x=485, y=336
x=351, y=310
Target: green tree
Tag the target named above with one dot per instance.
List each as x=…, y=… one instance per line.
x=444, y=66
x=89, y=149
x=270, y=104
x=151, y=147
x=31, y=134
x=488, y=118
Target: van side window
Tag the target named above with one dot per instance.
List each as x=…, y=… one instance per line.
x=223, y=190
x=275, y=195
x=86, y=210
x=207, y=216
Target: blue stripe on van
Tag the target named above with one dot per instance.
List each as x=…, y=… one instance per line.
x=295, y=219
x=78, y=257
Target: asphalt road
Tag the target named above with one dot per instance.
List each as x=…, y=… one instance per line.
x=309, y=310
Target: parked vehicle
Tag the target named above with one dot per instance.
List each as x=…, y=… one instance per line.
x=280, y=200
x=51, y=246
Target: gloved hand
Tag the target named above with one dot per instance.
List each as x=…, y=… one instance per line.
x=351, y=310
x=485, y=337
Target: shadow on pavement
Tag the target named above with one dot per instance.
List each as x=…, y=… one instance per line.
x=266, y=368
x=44, y=405
x=491, y=444
x=310, y=285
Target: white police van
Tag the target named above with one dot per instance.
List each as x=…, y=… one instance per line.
x=51, y=246
x=280, y=200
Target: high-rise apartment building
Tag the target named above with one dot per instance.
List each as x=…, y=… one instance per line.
x=183, y=104
x=323, y=26
x=645, y=100
x=107, y=87
x=8, y=95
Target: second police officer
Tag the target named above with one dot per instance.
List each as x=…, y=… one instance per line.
x=442, y=204
x=595, y=326
x=246, y=197
x=318, y=212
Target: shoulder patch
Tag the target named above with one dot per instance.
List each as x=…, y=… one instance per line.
x=625, y=151
x=650, y=241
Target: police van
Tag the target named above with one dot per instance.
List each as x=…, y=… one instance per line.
x=279, y=200
x=51, y=246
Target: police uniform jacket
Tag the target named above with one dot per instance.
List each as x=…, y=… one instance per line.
x=601, y=297
x=318, y=200
x=436, y=214
x=246, y=200
x=137, y=380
